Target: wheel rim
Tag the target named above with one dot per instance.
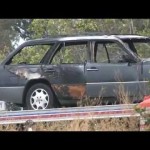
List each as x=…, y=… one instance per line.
x=39, y=99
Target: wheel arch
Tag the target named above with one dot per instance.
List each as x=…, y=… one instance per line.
x=33, y=82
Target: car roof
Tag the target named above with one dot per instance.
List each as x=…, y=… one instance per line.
x=123, y=37
x=86, y=37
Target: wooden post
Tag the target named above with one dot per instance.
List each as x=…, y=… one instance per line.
x=28, y=125
x=142, y=123
x=29, y=129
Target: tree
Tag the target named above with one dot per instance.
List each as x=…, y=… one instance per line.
x=10, y=32
x=38, y=28
x=13, y=29
x=21, y=27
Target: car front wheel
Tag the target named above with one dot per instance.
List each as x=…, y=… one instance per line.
x=39, y=96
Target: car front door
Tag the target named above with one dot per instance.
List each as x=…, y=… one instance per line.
x=66, y=70
x=110, y=74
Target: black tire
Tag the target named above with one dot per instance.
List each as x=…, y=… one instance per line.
x=43, y=90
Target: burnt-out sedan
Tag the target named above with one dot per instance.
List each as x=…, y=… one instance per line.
x=54, y=72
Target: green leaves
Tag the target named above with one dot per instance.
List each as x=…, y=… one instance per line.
x=11, y=29
x=139, y=109
x=31, y=54
x=44, y=27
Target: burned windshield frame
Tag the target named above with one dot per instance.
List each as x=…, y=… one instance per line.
x=131, y=44
x=128, y=50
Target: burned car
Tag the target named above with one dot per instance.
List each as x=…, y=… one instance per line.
x=54, y=72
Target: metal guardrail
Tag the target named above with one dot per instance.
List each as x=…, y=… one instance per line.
x=58, y=114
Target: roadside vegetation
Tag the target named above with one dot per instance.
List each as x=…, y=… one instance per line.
x=119, y=124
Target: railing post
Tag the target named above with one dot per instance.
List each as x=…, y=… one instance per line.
x=28, y=125
x=142, y=123
x=29, y=129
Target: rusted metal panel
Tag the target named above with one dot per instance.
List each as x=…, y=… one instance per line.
x=77, y=91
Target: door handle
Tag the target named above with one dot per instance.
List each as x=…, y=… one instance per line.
x=48, y=70
x=92, y=69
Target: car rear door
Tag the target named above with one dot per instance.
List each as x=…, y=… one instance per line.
x=66, y=70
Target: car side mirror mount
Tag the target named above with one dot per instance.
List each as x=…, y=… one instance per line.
x=128, y=58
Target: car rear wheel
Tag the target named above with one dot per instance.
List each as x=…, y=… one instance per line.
x=39, y=96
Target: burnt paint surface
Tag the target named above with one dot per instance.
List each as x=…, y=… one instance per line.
x=26, y=71
x=67, y=80
x=13, y=79
x=76, y=92
x=23, y=73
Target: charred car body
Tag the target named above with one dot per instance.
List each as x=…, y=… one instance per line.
x=53, y=72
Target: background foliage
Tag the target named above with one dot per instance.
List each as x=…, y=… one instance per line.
x=11, y=30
